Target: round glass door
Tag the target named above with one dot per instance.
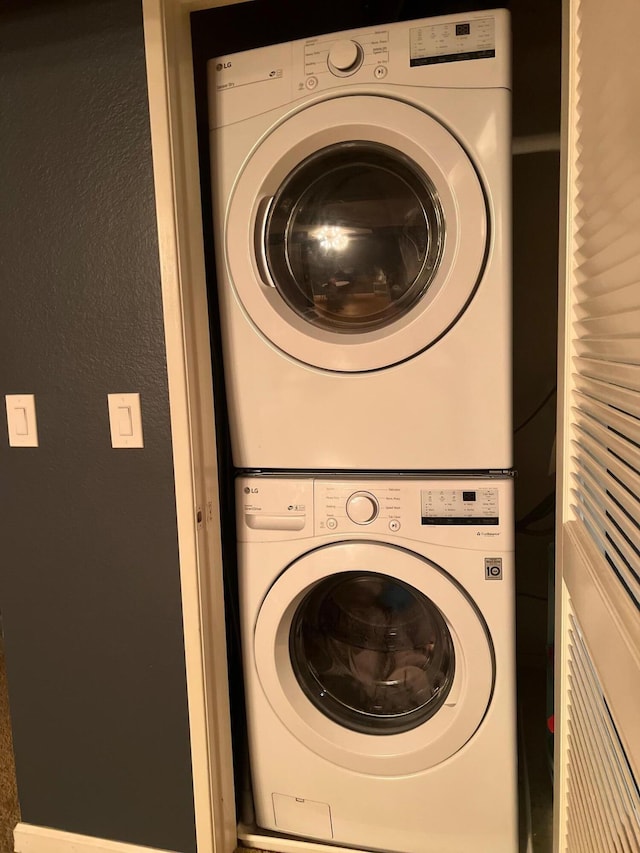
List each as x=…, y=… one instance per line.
x=354, y=237
x=356, y=233
x=372, y=653
x=373, y=657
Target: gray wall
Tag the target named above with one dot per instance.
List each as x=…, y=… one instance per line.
x=89, y=580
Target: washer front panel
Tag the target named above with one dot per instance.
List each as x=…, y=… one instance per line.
x=458, y=231
x=467, y=695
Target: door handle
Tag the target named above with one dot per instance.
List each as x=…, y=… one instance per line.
x=453, y=697
x=260, y=240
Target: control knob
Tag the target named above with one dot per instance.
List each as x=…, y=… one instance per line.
x=362, y=507
x=345, y=57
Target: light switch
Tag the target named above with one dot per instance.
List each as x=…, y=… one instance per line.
x=125, y=420
x=21, y=420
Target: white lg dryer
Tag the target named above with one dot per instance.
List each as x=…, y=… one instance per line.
x=377, y=621
x=361, y=186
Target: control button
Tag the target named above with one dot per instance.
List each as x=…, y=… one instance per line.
x=380, y=71
x=394, y=525
x=345, y=57
x=362, y=508
x=311, y=83
x=332, y=523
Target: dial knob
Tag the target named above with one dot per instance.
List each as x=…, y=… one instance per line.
x=345, y=57
x=362, y=507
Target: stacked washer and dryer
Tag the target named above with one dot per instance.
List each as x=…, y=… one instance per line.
x=362, y=210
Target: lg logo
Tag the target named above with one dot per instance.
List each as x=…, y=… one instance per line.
x=221, y=65
x=249, y=491
x=493, y=568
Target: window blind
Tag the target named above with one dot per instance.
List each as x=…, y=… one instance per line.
x=602, y=795
x=605, y=471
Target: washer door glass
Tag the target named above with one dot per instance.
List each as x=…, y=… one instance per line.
x=372, y=653
x=354, y=237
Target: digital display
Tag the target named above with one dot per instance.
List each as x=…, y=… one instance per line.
x=434, y=44
x=460, y=506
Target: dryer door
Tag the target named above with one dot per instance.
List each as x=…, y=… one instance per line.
x=374, y=657
x=356, y=233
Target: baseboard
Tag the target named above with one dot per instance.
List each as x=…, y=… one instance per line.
x=42, y=839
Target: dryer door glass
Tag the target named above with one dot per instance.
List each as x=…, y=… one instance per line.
x=354, y=236
x=372, y=653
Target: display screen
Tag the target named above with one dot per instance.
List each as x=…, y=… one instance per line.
x=448, y=507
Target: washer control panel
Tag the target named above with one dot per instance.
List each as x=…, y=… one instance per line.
x=362, y=507
x=471, y=512
x=342, y=505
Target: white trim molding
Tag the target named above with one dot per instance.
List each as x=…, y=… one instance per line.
x=42, y=839
x=167, y=33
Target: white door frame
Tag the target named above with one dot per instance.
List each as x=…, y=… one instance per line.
x=167, y=34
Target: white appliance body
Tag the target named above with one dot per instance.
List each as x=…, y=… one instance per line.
x=362, y=221
x=377, y=621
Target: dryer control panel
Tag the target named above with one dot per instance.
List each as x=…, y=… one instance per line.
x=453, y=51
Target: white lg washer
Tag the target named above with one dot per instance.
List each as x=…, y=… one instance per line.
x=377, y=621
x=361, y=187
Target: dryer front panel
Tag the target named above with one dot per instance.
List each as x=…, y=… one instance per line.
x=356, y=233
x=374, y=657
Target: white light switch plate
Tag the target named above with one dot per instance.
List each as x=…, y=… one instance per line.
x=21, y=420
x=125, y=420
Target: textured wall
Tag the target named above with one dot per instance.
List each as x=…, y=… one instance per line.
x=89, y=582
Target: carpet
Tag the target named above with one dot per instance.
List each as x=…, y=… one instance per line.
x=9, y=810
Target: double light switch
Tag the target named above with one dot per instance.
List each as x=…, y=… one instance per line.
x=125, y=420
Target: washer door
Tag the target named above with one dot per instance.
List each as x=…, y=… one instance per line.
x=356, y=233
x=374, y=658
